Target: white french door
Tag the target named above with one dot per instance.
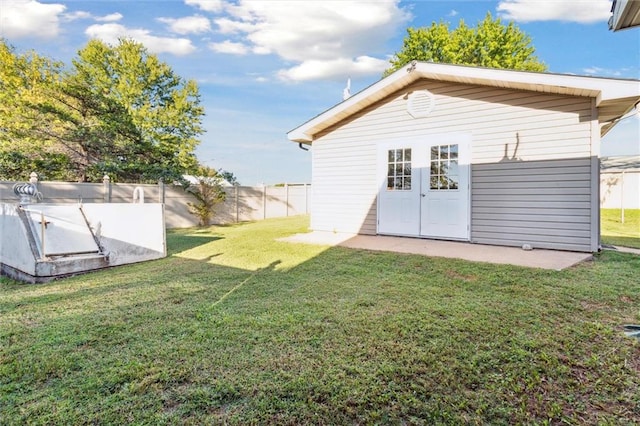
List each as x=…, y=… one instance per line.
x=444, y=211
x=424, y=187
x=399, y=194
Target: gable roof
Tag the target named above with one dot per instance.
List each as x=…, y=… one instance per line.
x=614, y=97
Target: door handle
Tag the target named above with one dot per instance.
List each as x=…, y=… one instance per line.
x=423, y=195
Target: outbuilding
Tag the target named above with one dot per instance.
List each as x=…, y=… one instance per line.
x=454, y=152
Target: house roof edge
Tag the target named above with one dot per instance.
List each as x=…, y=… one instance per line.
x=604, y=90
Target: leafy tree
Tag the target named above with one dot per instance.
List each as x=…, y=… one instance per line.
x=118, y=110
x=491, y=44
x=163, y=108
x=93, y=132
x=26, y=80
x=208, y=193
x=229, y=177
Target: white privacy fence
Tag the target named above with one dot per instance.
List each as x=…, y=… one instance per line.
x=243, y=203
x=620, y=189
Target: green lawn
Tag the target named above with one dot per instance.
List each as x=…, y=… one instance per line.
x=234, y=327
x=614, y=232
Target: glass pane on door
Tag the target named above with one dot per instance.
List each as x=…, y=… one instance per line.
x=444, y=167
x=399, y=169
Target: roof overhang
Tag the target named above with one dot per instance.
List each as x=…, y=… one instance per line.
x=625, y=14
x=614, y=97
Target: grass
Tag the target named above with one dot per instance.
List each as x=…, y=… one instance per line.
x=237, y=328
x=614, y=232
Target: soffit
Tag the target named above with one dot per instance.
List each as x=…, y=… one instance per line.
x=626, y=14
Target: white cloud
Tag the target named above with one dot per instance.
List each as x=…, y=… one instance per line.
x=28, y=18
x=582, y=11
x=73, y=16
x=229, y=47
x=207, y=5
x=338, y=68
x=453, y=13
x=188, y=25
x=110, y=33
x=113, y=17
x=230, y=26
x=316, y=33
x=597, y=71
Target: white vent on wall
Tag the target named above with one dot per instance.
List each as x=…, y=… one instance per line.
x=420, y=103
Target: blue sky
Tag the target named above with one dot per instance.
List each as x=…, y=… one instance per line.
x=264, y=66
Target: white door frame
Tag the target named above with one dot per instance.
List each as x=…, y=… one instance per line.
x=401, y=212
x=420, y=165
x=450, y=224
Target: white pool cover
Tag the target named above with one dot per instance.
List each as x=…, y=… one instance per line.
x=40, y=242
x=65, y=228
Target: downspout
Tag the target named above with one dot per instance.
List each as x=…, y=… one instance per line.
x=302, y=147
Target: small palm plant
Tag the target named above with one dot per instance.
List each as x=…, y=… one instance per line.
x=208, y=192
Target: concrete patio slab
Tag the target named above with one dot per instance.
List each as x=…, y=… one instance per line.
x=537, y=258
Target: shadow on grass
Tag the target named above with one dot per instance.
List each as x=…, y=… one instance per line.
x=177, y=243
x=630, y=260
x=621, y=241
x=348, y=336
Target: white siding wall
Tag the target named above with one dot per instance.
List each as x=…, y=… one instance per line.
x=509, y=129
x=345, y=201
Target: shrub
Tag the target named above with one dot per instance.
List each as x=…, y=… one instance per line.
x=208, y=192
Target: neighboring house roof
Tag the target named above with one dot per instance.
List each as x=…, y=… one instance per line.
x=625, y=14
x=620, y=163
x=614, y=97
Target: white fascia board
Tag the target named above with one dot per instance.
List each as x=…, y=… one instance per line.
x=602, y=89
x=357, y=102
x=615, y=23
